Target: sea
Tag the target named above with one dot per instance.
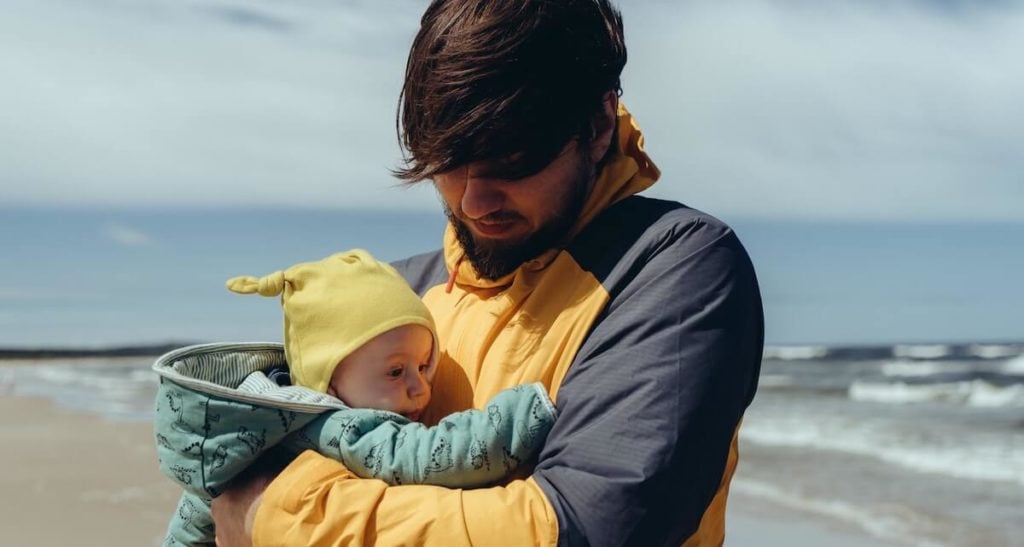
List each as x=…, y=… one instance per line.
x=913, y=444
x=891, y=397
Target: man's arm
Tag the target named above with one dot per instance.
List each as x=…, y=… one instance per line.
x=317, y=502
x=651, y=404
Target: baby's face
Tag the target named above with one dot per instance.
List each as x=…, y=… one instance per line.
x=387, y=373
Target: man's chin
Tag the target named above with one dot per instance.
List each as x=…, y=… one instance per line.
x=497, y=245
x=496, y=260
x=493, y=258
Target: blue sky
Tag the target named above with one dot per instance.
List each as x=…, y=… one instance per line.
x=857, y=110
x=865, y=113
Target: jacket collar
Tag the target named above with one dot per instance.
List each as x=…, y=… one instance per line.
x=627, y=172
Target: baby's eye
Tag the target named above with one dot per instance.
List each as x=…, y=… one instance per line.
x=395, y=372
x=424, y=368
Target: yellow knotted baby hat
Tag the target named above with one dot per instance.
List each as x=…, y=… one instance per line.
x=334, y=306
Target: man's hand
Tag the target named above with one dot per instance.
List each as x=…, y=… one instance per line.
x=235, y=510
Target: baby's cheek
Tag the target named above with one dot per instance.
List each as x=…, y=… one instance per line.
x=392, y=401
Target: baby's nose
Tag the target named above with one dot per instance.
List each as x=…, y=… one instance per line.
x=417, y=385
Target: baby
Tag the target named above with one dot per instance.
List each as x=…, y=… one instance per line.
x=361, y=351
x=355, y=330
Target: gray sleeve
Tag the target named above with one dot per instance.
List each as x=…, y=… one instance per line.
x=650, y=405
x=468, y=449
x=423, y=271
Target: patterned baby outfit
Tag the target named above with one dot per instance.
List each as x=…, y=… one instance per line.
x=217, y=412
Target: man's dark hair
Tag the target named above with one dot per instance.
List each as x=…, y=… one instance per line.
x=505, y=82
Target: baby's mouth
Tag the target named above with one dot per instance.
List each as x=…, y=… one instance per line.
x=414, y=415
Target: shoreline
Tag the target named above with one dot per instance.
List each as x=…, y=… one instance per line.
x=913, y=351
x=95, y=475
x=31, y=354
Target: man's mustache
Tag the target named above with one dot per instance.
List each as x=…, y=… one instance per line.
x=500, y=216
x=495, y=217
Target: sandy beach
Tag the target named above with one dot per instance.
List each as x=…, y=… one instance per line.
x=73, y=479
x=79, y=478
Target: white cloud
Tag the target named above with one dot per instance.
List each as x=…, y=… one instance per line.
x=894, y=110
x=177, y=103
x=125, y=235
x=844, y=108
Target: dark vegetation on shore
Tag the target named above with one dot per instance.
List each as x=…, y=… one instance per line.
x=949, y=352
x=73, y=353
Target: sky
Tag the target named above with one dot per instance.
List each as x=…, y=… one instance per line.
x=863, y=110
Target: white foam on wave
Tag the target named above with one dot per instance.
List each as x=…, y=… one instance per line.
x=142, y=375
x=919, y=368
x=6, y=380
x=931, y=351
x=788, y=353
x=973, y=393
x=986, y=395
x=774, y=380
x=883, y=522
x=117, y=392
x=993, y=351
x=1014, y=366
x=995, y=456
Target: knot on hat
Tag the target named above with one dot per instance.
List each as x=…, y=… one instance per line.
x=269, y=285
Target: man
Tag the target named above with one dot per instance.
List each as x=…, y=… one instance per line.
x=641, y=316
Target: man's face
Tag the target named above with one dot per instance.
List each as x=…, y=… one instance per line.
x=503, y=223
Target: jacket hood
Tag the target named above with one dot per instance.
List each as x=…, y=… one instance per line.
x=628, y=171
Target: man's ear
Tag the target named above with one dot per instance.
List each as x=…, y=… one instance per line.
x=603, y=126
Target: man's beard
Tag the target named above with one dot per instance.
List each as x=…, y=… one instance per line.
x=496, y=259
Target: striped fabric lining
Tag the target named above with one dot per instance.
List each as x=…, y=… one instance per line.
x=258, y=384
x=235, y=371
x=227, y=368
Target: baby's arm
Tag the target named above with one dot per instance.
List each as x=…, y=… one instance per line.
x=467, y=449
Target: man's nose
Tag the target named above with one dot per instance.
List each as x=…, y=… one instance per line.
x=481, y=197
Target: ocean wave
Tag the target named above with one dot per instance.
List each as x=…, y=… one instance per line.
x=883, y=522
x=1014, y=366
x=120, y=391
x=905, y=352
x=794, y=353
x=932, y=351
x=7, y=381
x=775, y=381
x=989, y=456
x=993, y=351
x=918, y=369
x=973, y=393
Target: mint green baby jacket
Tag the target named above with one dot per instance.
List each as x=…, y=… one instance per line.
x=216, y=413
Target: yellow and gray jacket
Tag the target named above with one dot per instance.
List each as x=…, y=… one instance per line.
x=217, y=413
x=647, y=331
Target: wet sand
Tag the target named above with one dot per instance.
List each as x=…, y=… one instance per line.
x=71, y=479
